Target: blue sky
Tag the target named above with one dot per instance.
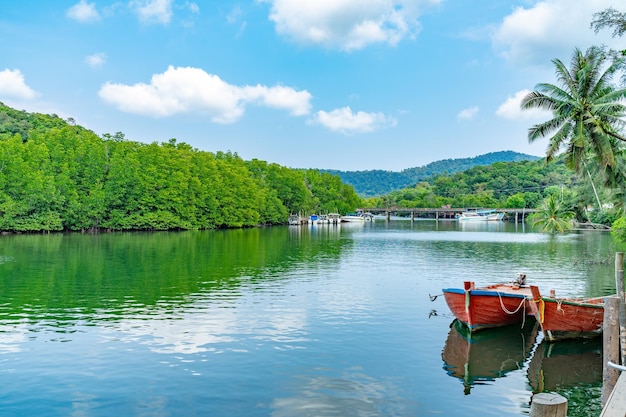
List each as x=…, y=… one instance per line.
x=337, y=84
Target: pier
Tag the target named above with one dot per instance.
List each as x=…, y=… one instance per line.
x=614, y=347
x=517, y=215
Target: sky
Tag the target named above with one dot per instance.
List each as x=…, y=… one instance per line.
x=349, y=85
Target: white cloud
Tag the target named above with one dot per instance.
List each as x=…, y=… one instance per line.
x=468, y=114
x=83, y=12
x=154, y=11
x=343, y=120
x=96, y=60
x=347, y=24
x=193, y=7
x=511, y=110
x=185, y=89
x=550, y=29
x=12, y=86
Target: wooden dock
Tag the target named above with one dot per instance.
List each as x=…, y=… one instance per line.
x=441, y=213
x=614, y=347
x=616, y=403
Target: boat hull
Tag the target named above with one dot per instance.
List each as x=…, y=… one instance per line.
x=569, y=318
x=488, y=307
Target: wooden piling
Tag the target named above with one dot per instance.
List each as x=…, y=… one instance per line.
x=619, y=287
x=610, y=346
x=546, y=404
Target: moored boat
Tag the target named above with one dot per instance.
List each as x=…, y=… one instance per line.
x=480, y=215
x=334, y=218
x=491, y=306
x=294, y=220
x=568, y=318
x=358, y=217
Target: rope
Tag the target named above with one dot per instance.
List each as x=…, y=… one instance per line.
x=522, y=303
x=558, y=306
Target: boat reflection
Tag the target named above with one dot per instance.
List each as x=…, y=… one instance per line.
x=566, y=364
x=476, y=358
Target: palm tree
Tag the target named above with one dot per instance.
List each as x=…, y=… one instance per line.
x=587, y=114
x=552, y=216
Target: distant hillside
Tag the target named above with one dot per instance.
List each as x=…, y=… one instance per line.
x=379, y=182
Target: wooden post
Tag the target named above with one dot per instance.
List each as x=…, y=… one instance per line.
x=610, y=346
x=547, y=404
x=619, y=286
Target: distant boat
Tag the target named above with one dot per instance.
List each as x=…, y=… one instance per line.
x=318, y=219
x=480, y=215
x=568, y=318
x=294, y=220
x=334, y=218
x=491, y=306
x=358, y=217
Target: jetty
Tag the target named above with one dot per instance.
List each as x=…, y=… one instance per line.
x=614, y=347
x=517, y=215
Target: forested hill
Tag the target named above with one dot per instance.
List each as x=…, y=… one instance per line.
x=379, y=182
x=58, y=176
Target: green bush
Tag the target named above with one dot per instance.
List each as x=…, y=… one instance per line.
x=618, y=229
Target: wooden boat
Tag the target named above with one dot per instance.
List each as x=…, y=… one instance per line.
x=477, y=358
x=492, y=306
x=568, y=318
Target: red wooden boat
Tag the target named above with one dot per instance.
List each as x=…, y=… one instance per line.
x=568, y=318
x=492, y=306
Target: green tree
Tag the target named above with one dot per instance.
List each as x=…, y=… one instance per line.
x=610, y=18
x=552, y=216
x=587, y=113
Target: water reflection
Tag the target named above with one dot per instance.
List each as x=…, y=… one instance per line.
x=481, y=357
x=567, y=364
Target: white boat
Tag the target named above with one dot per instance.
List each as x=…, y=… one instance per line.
x=334, y=218
x=318, y=219
x=358, y=217
x=480, y=215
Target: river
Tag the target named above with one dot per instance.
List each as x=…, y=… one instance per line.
x=286, y=321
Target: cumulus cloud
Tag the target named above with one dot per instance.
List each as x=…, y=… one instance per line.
x=185, y=89
x=96, y=60
x=549, y=29
x=347, y=24
x=12, y=86
x=511, y=110
x=468, y=114
x=343, y=120
x=83, y=12
x=154, y=11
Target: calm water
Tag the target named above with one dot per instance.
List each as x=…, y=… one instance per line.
x=326, y=321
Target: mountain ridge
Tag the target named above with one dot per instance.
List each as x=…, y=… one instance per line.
x=372, y=183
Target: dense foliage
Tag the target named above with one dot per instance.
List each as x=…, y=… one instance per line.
x=378, y=182
x=57, y=176
x=503, y=184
